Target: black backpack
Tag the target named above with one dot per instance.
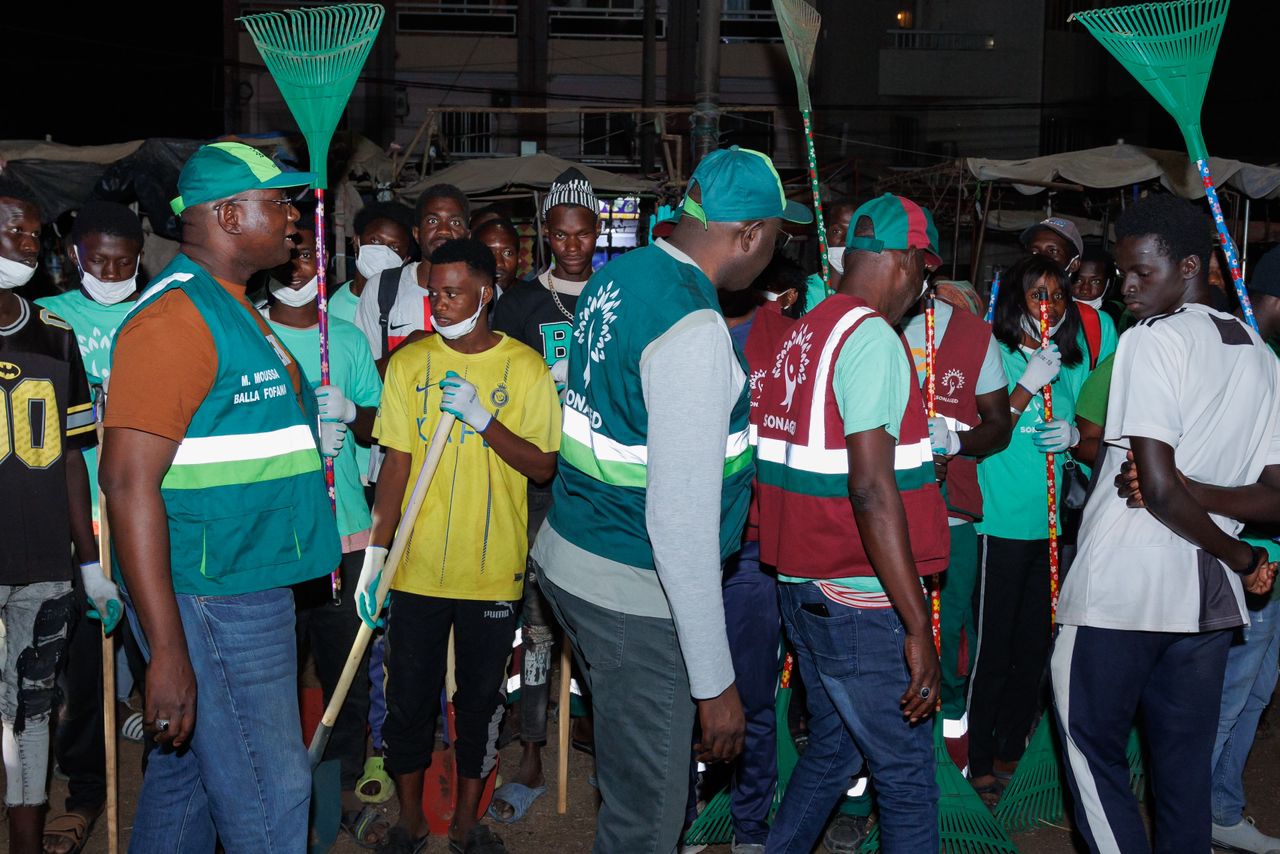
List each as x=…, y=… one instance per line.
x=388, y=290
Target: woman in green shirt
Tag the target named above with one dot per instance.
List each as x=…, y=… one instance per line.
x=1013, y=593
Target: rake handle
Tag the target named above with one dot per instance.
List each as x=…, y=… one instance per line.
x=1228, y=245
x=931, y=406
x=322, y=296
x=111, y=765
x=991, y=303
x=404, y=534
x=817, y=197
x=1051, y=481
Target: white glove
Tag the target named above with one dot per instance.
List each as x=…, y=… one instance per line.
x=560, y=373
x=462, y=400
x=334, y=405
x=1042, y=369
x=945, y=441
x=375, y=557
x=332, y=435
x=1054, y=437
x=104, y=596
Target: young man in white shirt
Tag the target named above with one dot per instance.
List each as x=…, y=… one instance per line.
x=1148, y=609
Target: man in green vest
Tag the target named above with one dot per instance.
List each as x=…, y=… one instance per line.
x=651, y=495
x=217, y=504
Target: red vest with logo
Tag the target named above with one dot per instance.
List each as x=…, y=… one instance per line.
x=807, y=527
x=957, y=365
x=767, y=330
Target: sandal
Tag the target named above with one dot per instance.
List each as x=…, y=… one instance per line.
x=480, y=840
x=365, y=823
x=518, y=796
x=375, y=787
x=991, y=792
x=69, y=827
x=399, y=841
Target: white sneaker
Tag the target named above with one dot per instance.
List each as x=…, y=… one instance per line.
x=1245, y=836
x=746, y=848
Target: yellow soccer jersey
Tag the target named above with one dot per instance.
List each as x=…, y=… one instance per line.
x=470, y=539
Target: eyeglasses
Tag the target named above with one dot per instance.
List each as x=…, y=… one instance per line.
x=280, y=203
x=781, y=240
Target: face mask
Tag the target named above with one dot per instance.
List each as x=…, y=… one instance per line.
x=1092, y=303
x=1033, y=329
x=461, y=328
x=106, y=293
x=836, y=261
x=14, y=274
x=770, y=296
x=374, y=258
x=295, y=297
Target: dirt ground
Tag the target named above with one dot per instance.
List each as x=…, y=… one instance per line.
x=546, y=832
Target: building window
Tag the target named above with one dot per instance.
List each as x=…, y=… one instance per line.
x=608, y=135
x=466, y=134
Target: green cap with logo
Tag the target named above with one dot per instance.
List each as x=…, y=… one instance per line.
x=899, y=224
x=219, y=170
x=740, y=185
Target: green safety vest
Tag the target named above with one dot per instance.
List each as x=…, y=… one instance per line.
x=599, y=490
x=245, y=496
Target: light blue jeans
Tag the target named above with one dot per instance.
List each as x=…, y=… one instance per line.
x=1252, y=668
x=244, y=780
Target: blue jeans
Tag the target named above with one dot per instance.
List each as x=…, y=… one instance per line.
x=1246, y=690
x=854, y=672
x=244, y=780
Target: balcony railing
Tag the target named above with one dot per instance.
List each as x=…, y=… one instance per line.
x=939, y=40
x=488, y=19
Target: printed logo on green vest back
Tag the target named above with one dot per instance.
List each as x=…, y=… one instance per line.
x=594, y=324
x=555, y=340
x=793, y=362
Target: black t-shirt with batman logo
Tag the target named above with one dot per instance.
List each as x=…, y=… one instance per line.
x=45, y=410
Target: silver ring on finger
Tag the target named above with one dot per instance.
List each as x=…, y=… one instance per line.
x=162, y=724
x=924, y=693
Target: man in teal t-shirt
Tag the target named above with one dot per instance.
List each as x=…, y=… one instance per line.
x=351, y=397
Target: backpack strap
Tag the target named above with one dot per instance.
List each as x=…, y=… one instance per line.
x=1092, y=332
x=388, y=290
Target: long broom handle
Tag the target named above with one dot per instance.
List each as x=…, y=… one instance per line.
x=562, y=757
x=322, y=295
x=1051, y=481
x=931, y=405
x=991, y=303
x=108, y=682
x=1228, y=245
x=404, y=534
x=817, y=197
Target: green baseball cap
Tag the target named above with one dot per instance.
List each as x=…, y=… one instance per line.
x=219, y=170
x=899, y=224
x=739, y=185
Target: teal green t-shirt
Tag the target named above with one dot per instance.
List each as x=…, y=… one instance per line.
x=351, y=369
x=342, y=303
x=95, y=326
x=1014, y=484
x=872, y=383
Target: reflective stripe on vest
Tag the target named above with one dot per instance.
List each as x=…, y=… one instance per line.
x=609, y=461
x=207, y=461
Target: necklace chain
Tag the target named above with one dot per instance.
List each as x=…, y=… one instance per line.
x=556, y=297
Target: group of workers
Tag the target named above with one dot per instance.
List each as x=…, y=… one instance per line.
x=682, y=463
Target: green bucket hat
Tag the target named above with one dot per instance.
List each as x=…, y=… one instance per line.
x=739, y=185
x=899, y=224
x=219, y=170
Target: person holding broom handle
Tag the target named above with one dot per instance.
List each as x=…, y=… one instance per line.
x=217, y=504
x=1158, y=587
x=851, y=515
x=464, y=569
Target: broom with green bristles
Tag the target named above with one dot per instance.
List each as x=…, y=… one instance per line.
x=1169, y=48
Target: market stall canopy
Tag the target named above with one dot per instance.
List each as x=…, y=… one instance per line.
x=495, y=175
x=1121, y=165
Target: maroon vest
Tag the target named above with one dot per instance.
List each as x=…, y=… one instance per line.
x=767, y=329
x=807, y=526
x=958, y=364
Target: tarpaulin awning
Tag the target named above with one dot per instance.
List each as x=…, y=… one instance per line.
x=534, y=172
x=1121, y=165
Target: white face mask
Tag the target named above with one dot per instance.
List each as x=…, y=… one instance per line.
x=835, y=258
x=462, y=327
x=770, y=296
x=295, y=297
x=1092, y=303
x=1033, y=328
x=14, y=274
x=107, y=293
x=374, y=258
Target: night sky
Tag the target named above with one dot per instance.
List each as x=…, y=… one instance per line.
x=132, y=70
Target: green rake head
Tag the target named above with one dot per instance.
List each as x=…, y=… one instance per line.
x=799, y=23
x=315, y=56
x=1169, y=48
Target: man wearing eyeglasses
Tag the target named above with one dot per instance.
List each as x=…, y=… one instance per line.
x=217, y=504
